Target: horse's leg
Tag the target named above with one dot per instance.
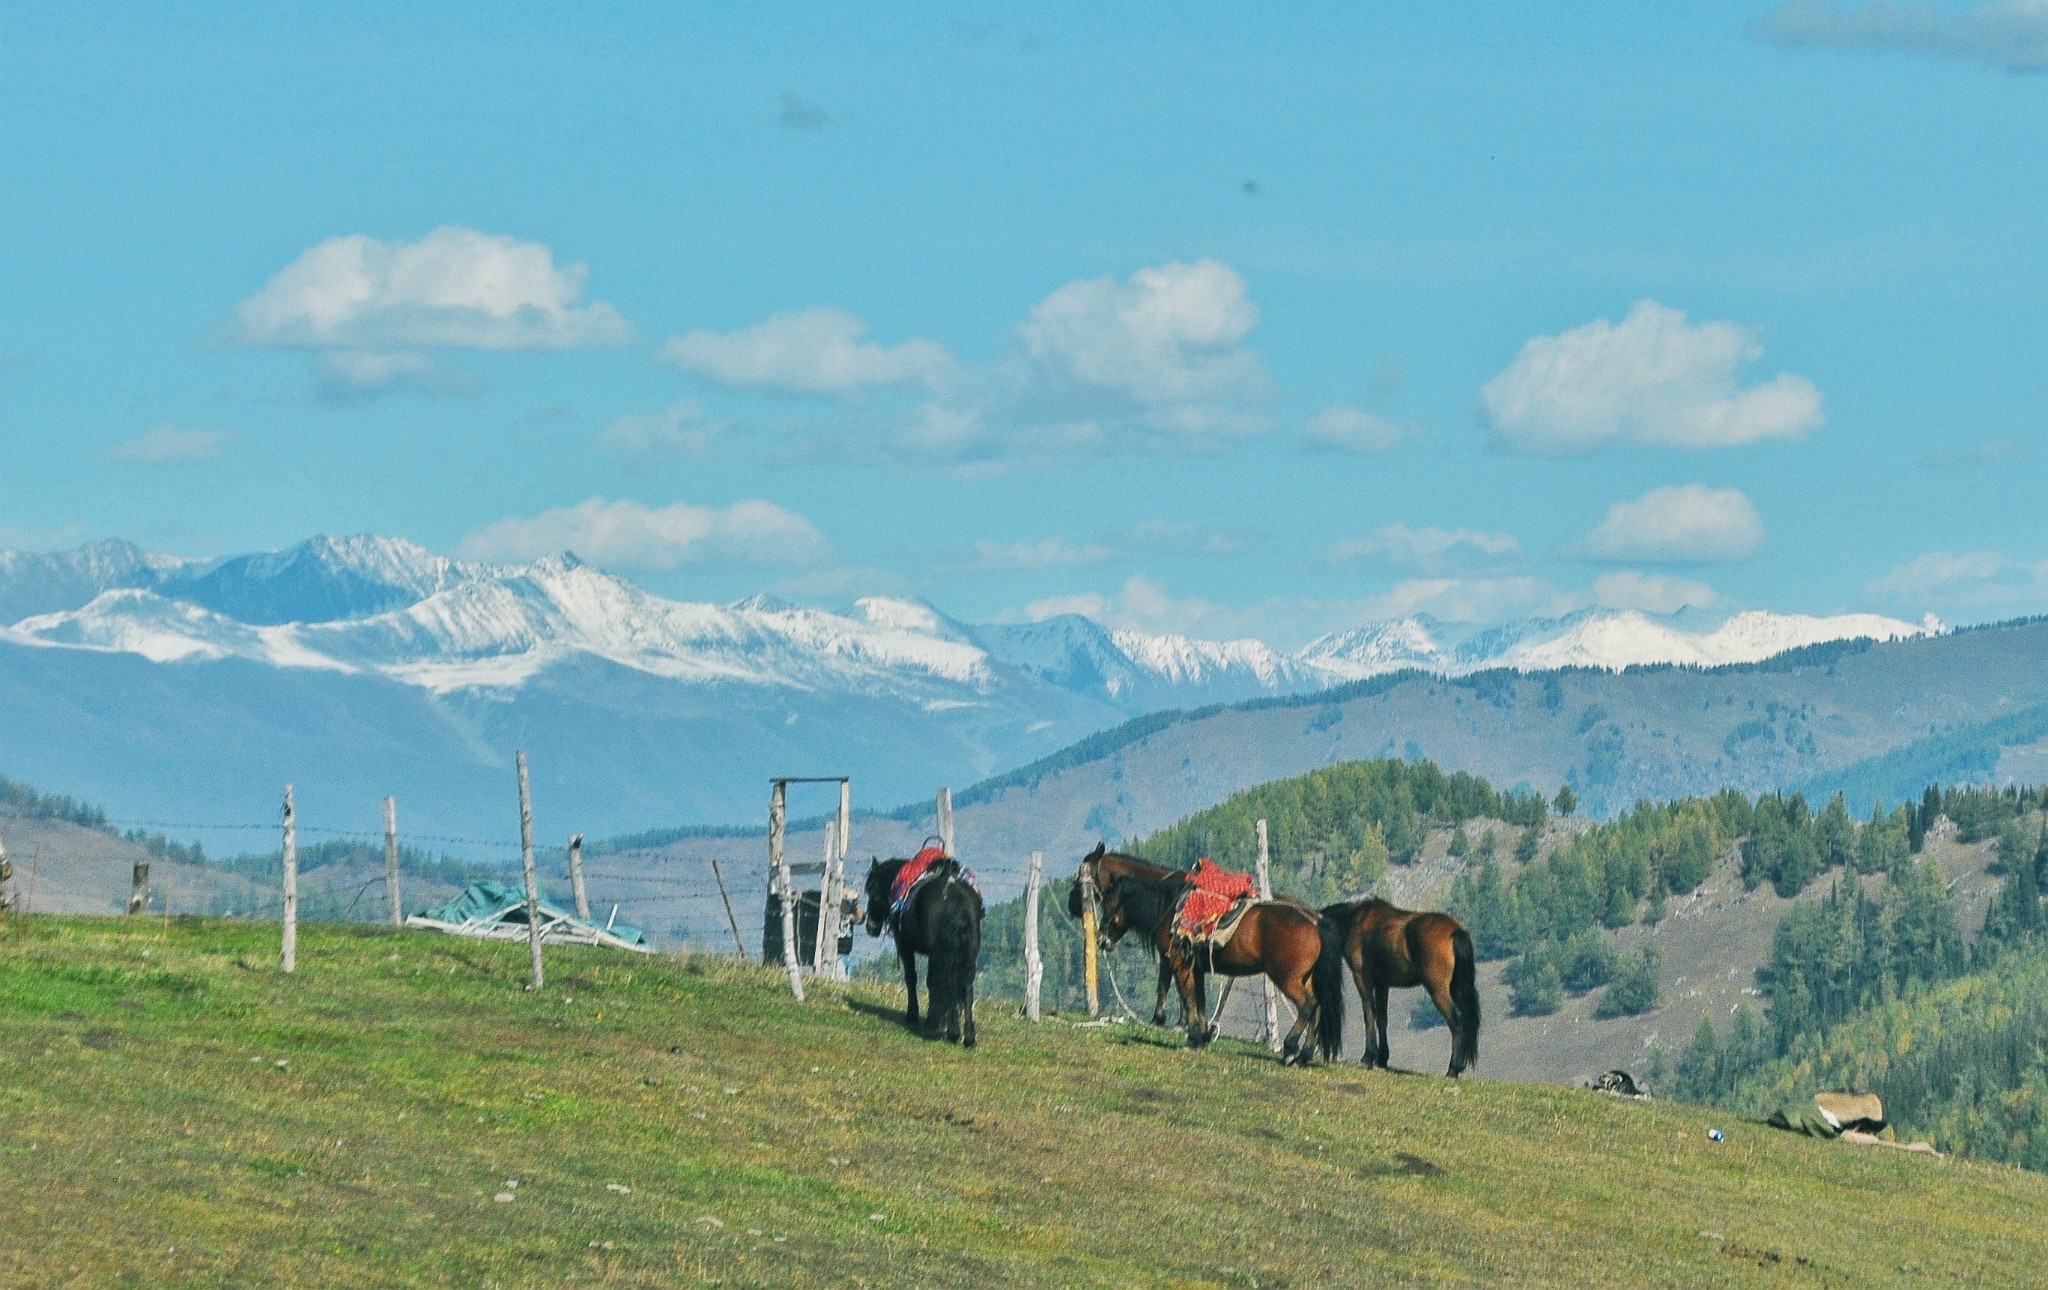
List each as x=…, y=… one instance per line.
x=967, y=1006
x=909, y=958
x=1379, y=1035
x=1439, y=986
x=1300, y=1043
x=1364, y=984
x=1191, y=1001
x=1165, y=978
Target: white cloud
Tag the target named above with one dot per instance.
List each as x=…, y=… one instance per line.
x=1168, y=336
x=1993, y=450
x=1155, y=362
x=679, y=430
x=1165, y=537
x=1141, y=605
x=629, y=535
x=2010, y=34
x=1427, y=550
x=1009, y=557
x=1965, y=586
x=349, y=376
x=454, y=288
x=1685, y=523
x=1653, y=592
x=816, y=351
x=169, y=445
x=1653, y=379
x=1354, y=430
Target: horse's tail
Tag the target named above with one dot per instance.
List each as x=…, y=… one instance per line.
x=1327, y=980
x=1464, y=996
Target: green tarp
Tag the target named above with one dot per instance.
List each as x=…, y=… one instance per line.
x=488, y=901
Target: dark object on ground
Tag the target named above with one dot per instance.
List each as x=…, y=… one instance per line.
x=1621, y=1084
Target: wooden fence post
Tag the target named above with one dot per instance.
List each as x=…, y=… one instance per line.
x=1266, y=893
x=138, y=889
x=839, y=925
x=738, y=942
x=946, y=820
x=290, y=955
x=818, y=967
x=1034, y=965
x=778, y=823
x=392, y=894
x=576, y=876
x=1090, y=971
x=532, y=879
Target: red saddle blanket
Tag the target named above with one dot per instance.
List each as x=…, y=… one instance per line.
x=1214, y=891
x=908, y=875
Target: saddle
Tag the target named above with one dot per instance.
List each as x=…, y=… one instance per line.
x=911, y=876
x=1216, y=902
x=924, y=867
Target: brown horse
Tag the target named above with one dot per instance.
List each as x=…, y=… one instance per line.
x=1391, y=948
x=1103, y=867
x=1297, y=950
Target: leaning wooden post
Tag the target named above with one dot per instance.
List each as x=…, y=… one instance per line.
x=392, y=895
x=1034, y=966
x=138, y=889
x=738, y=942
x=1266, y=893
x=532, y=879
x=946, y=820
x=576, y=876
x=1089, y=968
x=290, y=954
x=778, y=823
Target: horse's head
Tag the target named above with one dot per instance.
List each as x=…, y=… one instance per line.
x=875, y=904
x=1118, y=914
x=1090, y=864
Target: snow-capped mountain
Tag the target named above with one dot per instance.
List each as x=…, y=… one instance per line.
x=235, y=671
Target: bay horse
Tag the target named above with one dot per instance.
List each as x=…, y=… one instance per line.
x=1292, y=946
x=943, y=923
x=1392, y=948
x=1104, y=866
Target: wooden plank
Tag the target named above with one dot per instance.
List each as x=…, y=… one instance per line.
x=138, y=889
x=738, y=942
x=946, y=820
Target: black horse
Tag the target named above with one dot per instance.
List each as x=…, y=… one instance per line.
x=943, y=923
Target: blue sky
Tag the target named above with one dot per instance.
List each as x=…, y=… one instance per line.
x=1218, y=319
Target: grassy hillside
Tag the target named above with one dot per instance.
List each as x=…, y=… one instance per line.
x=175, y=1112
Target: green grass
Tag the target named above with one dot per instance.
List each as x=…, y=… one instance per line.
x=173, y=1111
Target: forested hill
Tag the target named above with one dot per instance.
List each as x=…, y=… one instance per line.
x=1799, y=917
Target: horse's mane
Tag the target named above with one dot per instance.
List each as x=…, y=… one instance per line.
x=1148, y=901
